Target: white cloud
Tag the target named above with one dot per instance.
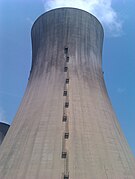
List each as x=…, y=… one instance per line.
x=121, y=90
x=102, y=9
x=30, y=21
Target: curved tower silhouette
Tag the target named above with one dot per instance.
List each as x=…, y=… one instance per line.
x=65, y=127
x=3, y=130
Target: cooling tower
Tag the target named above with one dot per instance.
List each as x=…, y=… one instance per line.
x=65, y=127
x=3, y=130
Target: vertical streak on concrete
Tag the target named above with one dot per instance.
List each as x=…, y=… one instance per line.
x=96, y=146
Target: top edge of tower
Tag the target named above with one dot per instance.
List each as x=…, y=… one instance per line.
x=68, y=8
x=4, y=123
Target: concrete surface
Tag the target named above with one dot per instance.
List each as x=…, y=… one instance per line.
x=94, y=147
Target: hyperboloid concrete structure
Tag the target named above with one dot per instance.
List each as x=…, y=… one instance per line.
x=3, y=130
x=65, y=127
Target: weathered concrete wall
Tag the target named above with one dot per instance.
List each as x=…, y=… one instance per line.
x=3, y=130
x=87, y=143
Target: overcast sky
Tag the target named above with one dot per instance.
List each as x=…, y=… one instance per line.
x=117, y=17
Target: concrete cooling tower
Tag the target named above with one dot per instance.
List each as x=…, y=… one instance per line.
x=65, y=127
x=3, y=130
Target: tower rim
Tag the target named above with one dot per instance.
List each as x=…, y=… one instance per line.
x=68, y=8
x=4, y=123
